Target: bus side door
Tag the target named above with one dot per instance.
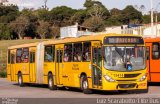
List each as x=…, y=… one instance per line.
x=59, y=64
x=13, y=66
x=154, y=62
x=32, y=68
x=96, y=64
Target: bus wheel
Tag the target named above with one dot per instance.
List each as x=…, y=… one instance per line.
x=20, y=80
x=84, y=85
x=51, y=82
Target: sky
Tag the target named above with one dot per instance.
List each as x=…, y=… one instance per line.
x=78, y=4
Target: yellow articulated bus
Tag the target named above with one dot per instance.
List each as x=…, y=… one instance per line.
x=102, y=62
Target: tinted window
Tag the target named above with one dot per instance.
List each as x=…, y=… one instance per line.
x=67, y=53
x=19, y=56
x=25, y=55
x=12, y=58
x=87, y=51
x=155, y=51
x=32, y=57
x=49, y=54
x=77, y=52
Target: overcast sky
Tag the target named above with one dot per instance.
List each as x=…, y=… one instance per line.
x=78, y=4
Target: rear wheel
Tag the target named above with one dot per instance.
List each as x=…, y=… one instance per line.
x=51, y=82
x=85, y=85
x=20, y=80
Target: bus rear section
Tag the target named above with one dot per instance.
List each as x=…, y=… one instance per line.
x=153, y=59
x=24, y=64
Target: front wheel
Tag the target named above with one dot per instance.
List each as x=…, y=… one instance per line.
x=85, y=85
x=51, y=82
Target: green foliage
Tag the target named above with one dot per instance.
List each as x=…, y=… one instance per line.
x=43, y=29
x=62, y=15
x=131, y=15
x=95, y=24
x=5, y=32
x=8, y=13
x=79, y=16
x=20, y=25
x=43, y=14
x=3, y=74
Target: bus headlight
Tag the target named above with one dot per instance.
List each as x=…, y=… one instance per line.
x=108, y=78
x=143, y=78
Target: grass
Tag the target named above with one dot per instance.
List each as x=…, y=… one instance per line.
x=3, y=74
x=4, y=44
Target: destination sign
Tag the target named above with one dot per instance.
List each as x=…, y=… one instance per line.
x=123, y=40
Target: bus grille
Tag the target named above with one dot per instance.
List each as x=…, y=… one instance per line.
x=131, y=75
x=127, y=85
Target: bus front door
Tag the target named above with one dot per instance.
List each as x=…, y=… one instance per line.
x=97, y=67
x=59, y=66
x=32, y=69
x=13, y=67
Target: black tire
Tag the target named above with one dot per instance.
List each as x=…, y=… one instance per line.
x=51, y=85
x=20, y=80
x=84, y=85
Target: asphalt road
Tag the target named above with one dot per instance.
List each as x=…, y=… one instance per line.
x=12, y=90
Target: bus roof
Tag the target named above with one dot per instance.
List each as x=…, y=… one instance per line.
x=85, y=38
x=24, y=45
x=149, y=40
x=71, y=39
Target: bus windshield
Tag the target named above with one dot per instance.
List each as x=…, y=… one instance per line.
x=116, y=58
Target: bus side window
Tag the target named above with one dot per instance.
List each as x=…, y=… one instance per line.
x=19, y=55
x=155, y=51
x=147, y=53
x=12, y=59
x=32, y=57
x=48, y=54
x=67, y=53
x=25, y=55
x=77, y=52
x=87, y=51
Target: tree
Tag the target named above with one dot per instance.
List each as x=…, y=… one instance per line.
x=115, y=18
x=79, y=16
x=131, y=15
x=95, y=24
x=43, y=14
x=20, y=25
x=45, y=4
x=146, y=19
x=96, y=9
x=8, y=13
x=5, y=32
x=88, y=4
x=43, y=29
x=60, y=16
x=30, y=14
x=55, y=32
